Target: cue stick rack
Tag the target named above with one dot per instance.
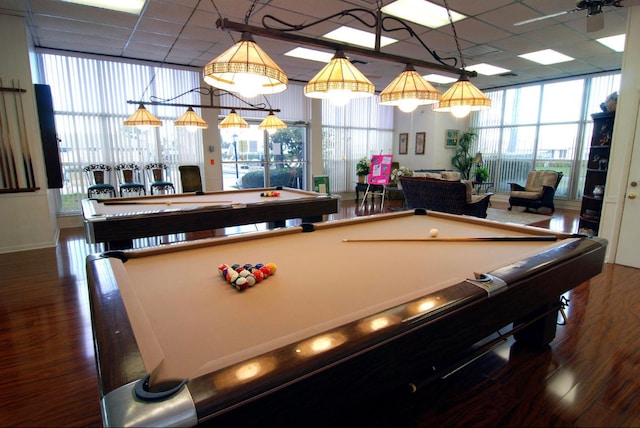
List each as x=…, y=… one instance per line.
x=16, y=164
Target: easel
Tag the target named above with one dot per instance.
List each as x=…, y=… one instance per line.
x=379, y=174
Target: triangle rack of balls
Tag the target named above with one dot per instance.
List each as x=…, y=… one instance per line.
x=242, y=277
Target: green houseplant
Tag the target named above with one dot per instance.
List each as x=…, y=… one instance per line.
x=482, y=174
x=463, y=158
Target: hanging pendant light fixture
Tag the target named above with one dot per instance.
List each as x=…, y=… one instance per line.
x=272, y=123
x=191, y=121
x=408, y=91
x=463, y=97
x=245, y=69
x=233, y=121
x=142, y=119
x=339, y=81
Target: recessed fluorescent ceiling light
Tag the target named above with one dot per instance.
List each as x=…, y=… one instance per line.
x=613, y=42
x=439, y=78
x=421, y=12
x=546, y=57
x=487, y=69
x=357, y=37
x=310, y=54
x=128, y=6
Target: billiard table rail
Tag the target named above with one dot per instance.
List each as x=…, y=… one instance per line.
x=463, y=310
x=147, y=221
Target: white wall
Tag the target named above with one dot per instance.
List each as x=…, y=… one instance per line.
x=424, y=119
x=27, y=220
x=622, y=138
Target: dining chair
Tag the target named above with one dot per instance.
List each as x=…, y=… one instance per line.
x=190, y=178
x=129, y=179
x=99, y=177
x=156, y=176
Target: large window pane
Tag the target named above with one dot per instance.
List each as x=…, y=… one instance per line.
x=562, y=102
x=90, y=105
x=521, y=105
x=558, y=119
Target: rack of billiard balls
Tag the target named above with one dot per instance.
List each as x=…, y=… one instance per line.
x=270, y=194
x=242, y=277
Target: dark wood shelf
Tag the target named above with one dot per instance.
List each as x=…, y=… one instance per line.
x=600, y=148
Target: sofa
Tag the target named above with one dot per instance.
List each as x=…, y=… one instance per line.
x=445, y=194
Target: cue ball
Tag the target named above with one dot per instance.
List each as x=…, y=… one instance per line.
x=433, y=233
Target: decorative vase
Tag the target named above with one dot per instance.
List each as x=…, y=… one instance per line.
x=361, y=178
x=598, y=191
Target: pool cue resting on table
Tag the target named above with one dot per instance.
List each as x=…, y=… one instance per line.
x=467, y=239
x=167, y=202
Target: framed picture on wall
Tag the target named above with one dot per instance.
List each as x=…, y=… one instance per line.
x=403, y=147
x=420, y=142
x=451, y=138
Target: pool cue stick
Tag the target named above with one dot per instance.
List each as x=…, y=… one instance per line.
x=12, y=168
x=24, y=137
x=479, y=239
x=4, y=161
x=168, y=202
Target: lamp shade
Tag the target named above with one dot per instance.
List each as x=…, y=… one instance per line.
x=408, y=91
x=339, y=81
x=191, y=121
x=234, y=120
x=462, y=98
x=142, y=118
x=478, y=159
x=272, y=123
x=245, y=69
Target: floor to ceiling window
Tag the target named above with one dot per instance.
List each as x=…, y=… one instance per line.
x=543, y=126
x=90, y=105
x=252, y=158
x=360, y=129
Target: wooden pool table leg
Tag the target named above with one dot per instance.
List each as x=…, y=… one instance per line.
x=542, y=330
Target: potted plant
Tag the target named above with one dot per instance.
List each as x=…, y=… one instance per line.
x=362, y=169
x=482, y=174
x=463, y=158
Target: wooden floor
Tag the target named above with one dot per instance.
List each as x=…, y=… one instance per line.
x=590, y=375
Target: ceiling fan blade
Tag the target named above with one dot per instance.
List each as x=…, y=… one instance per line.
x=540, y=18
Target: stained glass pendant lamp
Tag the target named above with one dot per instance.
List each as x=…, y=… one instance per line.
x=408, y=91
x=191, y=121
x=339, y=81
x=245, y=69
x=142, y=119
x=272, y=123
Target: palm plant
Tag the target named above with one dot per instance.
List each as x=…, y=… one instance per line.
x=463, y=158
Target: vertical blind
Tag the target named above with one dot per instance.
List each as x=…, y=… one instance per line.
x=90, y=105
x=543, y=126
x=360, y=129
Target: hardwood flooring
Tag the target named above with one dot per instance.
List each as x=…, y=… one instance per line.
x=589, y=376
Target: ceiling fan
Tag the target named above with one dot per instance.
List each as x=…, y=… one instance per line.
x=595, y=17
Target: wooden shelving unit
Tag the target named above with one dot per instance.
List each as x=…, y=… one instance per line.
x=596, y=174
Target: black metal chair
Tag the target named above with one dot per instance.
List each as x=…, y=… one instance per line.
x=99, y=177
x=538, y=192
x=190, y=178
x=129, y=179
x=156, y=176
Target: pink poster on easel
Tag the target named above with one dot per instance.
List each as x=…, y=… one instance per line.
x=380, y=169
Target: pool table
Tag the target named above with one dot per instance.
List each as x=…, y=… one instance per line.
x=117, y=221
x=177, y=344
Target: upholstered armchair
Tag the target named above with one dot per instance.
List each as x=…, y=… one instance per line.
x=538, y=192
x=449, y=196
